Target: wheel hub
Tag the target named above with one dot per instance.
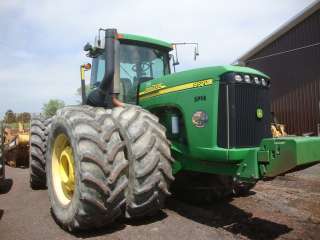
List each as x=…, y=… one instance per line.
x=67, y=171
x=63, y=169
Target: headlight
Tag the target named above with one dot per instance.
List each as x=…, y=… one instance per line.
x=264, y=82
x=257, y=80
x=238, y=78
x=247, y=79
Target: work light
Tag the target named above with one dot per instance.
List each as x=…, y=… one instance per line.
x=264, y=82
x=257, y=80
x=238, y=78
x=247, y=79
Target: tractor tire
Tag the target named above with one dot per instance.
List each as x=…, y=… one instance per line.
x=95, y=194
x=37, y=154
x=150, y=161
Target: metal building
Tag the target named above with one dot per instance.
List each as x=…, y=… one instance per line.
x=291, y=57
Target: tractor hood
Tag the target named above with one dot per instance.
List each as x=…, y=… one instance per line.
x=189, y=79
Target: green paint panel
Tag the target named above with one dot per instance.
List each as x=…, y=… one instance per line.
x=153, y=41
x=289, y=152
x=199, y=74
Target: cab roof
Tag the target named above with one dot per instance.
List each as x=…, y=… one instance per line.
x=144, y=39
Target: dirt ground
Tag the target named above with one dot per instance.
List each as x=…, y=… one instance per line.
x=285, y=208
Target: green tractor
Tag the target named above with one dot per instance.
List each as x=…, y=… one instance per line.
x=140, y=124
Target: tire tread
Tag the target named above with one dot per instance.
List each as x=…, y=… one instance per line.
x=37, y=154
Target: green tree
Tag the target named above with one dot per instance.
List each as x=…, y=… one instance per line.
x=50, y=108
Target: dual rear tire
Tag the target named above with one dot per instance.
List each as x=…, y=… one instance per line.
x=102, y=164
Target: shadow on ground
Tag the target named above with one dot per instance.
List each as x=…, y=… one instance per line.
x=116, y=226
x=217, y=214
x=222, y=214
x=6, y=186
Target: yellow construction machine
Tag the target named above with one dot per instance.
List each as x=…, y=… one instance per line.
x=16, y=145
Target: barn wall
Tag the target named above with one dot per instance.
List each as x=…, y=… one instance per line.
x=293, y=63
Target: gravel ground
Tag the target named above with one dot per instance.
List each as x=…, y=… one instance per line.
x=285, y=208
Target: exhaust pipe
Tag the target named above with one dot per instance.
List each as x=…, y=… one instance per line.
x=110, y=84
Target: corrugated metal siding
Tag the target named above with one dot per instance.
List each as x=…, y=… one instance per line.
x=295, y=75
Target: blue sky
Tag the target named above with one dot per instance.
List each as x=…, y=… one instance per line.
x=41, y=42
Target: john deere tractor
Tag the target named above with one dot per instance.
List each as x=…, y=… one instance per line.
x=115, y=155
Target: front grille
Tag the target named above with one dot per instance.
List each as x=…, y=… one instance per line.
x=238, y=124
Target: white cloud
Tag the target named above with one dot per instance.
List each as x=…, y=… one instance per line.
x=42, y=40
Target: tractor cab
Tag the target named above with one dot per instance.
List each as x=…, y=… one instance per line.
x=128, y=60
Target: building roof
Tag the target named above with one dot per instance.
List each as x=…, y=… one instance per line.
x=305, y=13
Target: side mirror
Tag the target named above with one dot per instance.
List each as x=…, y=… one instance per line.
x=196, y=50
x=87, y=47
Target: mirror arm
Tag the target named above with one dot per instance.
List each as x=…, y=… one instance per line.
x=176, y=62
x=173, y=62
x=196, y=49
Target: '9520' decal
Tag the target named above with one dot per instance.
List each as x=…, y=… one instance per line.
x=160, y=89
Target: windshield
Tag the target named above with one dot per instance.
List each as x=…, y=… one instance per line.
x=137, y=64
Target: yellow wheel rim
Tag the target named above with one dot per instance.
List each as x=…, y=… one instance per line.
x=63, y=169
